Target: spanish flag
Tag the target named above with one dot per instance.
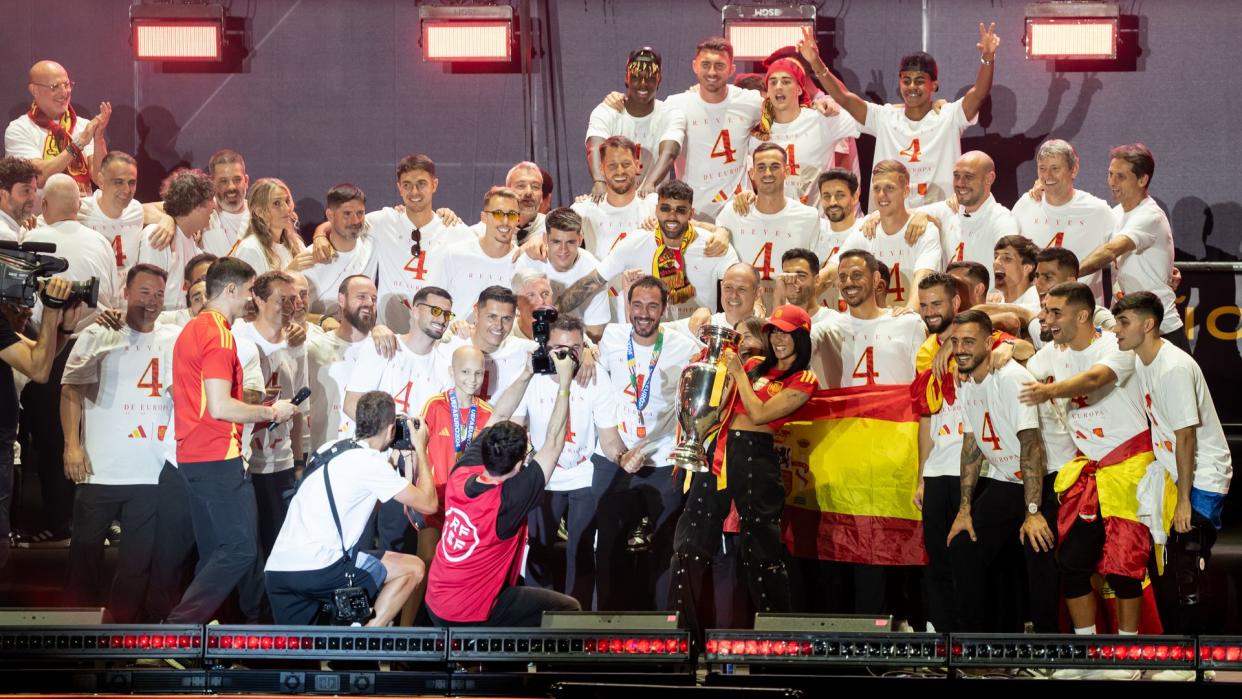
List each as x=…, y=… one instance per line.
x=850, y=477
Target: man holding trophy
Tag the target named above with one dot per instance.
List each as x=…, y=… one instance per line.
x=742, y=469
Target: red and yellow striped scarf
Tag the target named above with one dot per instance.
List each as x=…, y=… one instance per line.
x=59, y=139
x=669, y=266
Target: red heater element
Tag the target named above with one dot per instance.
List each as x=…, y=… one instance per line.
x=467, y=34
x=1072, y=31
x=177, y=32
x=755, y=31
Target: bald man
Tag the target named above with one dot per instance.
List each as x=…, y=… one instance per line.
x=972, y=222
x=739, y=288
x=53, y=135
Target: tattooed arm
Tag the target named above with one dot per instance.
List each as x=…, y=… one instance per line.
x=578, y=292
x=972, y=464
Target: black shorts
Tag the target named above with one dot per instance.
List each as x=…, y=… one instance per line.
x=297, y=595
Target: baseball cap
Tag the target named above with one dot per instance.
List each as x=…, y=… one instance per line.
x=789, y=318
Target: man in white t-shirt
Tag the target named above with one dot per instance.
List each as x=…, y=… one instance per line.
x=620, y=209
x=655, y=127
x=229, y=221
x=1053, y=265
x=1141, y=247
x=799, y=266
x=331, y=357
x=924, y=139
x=189, y=199
x=1189, y=443
x=907, y=263
x=719, y=118
x=534, y=292
x=312, y=556
x=526, y=180
x=469, y=267
x=495, y=312
x=567, y=263
x=1011, y=501
x=1063, y=216
x=1092, y=385
x=416, y=371
x=674, y=250
x=868, y=345
x=1013, y=269
x=592, y=420
x=969, y=230
x=53, y=135
x=838, y=203
x=115, y=408
x=739, y=289
x=773, y=222
x=275, y=449
x=646, y=393
x=19, y=189
x=112, y=209
x=355, y=251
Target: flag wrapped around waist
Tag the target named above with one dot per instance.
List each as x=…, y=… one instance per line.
x=851, y=471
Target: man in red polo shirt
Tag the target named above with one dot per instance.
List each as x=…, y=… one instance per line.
x=209, y=413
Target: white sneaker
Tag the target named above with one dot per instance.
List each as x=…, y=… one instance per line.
x=1174, y=676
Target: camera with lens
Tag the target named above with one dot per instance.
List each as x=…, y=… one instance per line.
x=403, y=433
x=541, y=327
x=350, y=606
x=23, y=267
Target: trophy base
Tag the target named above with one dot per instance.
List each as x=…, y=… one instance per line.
x=691, y=457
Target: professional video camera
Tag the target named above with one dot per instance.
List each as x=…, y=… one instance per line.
x=541, y=326
x=24, y=267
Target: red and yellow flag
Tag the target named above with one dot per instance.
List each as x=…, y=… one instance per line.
x=850, y=476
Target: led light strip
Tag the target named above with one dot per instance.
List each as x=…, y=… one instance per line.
x=1220, y=652
x=114, y=641
x=924, y=650
x=1153, y=652
x=325, y=643
x=532, y=645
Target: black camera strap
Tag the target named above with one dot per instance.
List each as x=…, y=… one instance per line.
x=345, y=552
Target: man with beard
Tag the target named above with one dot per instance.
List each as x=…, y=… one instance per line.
x=52, y=135
x=355, y=252
x=654, y=128
x=227, y=170
x=838, y=205
x=116, y=383
x=567, y=263
x=1053, y=265
x=644, y=363
x=188, y=198
x=799, y=267
x=1054, y=214
x=1013, y=498
x=469, y=267
x=525, y=180
x=773, y=223
x=719, y=118
x=416, y=371
x=1013, y=269
x=970, y=230
x=18, y=190
x=674, y=250
x=620, y=209
x=331, y=357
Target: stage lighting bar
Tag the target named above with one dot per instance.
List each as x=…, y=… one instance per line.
x=814, y=648
x=1066, y=651
x=1072, y=31
x=101, y=642
x=169, y=32
x=538, y=645
x=755, y=31
x=324, y=643
x=468, y=34
x=1220, y=652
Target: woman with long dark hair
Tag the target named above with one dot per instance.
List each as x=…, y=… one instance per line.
x=745, y=472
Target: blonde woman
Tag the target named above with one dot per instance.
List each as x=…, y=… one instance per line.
x=271, y=241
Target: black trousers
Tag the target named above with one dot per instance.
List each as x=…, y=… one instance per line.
x=269, y=493
x=941, y=500
x=542, y=564
x=755, y=488
x=95, y=507
x=1183, y=592
x=222, y=506
x=998, y=511
x=174, y=544
x=8, y=437
x=41, y=411
x=519, y=606
x=626, y=581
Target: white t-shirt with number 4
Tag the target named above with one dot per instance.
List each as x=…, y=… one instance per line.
x=928, y=147
x=972, y=236
x=409, y=378
x=590, y=409
x=713, y=154
x=126, y=377
x=810, y=143
x=878, y=351
x=284, y=369
x=903, y=259
x=761, y=239
x=123, y=232
x=1083, y=224
x=401, y=274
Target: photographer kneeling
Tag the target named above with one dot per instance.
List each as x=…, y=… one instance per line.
x=311, y=562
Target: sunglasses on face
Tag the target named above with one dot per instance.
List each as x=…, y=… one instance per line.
x=501, y=216
x=437, y=312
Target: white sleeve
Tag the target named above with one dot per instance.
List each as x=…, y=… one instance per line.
x=620, y=257
x=252, y=371
x=82, y=366
x=149, y=255
x=1141, y=230
x=379, y=479
x=597, y=311
x=875, y=120
x=1121, y=362
x=1006, y=224
x=251, y=255
x=835, y=128
x=1179, y=404
x=602, y=122
x=1018, y=415
x=17, y=144
x=1040, y=365
x=367, y=370
x=603, y=404
x=854, y=241
x=928, y=249
x=674, y=126
x=958, y=113
x=728, y=218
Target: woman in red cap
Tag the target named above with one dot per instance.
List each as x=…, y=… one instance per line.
x=745, y=472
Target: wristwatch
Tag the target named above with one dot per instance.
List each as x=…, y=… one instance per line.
x=1032, y=508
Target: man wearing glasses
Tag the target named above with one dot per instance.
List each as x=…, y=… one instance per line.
x=467, y=268
x=53, y=135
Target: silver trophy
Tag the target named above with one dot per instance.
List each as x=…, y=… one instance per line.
x=703, y=394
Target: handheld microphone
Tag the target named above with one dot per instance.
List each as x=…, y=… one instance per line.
x=298, y=399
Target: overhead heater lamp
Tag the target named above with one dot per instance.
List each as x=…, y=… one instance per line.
x=453, y=34
x=1072, y=30
x=169, y=32
x=755, y=31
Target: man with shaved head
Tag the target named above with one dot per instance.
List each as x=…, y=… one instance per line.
x=970, y=230
x=52, y=134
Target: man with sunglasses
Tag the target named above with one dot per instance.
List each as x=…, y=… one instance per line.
x=419, y=369
x=469, y=267
x=527, y=180
x=51, y=133
x=355, y=250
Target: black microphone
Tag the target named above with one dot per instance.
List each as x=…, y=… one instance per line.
x=298, y=399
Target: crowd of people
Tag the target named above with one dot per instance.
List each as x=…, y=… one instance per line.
x=1065, y=434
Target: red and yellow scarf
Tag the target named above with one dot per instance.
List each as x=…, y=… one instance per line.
x=59, y=139
x=669, y=266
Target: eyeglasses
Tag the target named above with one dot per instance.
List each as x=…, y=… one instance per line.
x=416, y=243
x=437, y=312
x=501, y=216
x=66, y=85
